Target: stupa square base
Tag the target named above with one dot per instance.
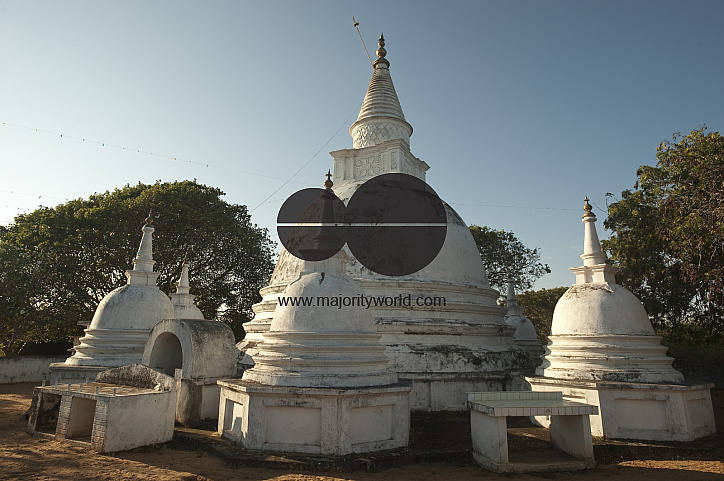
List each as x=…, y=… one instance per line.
x=642, y=411
x=315, y=420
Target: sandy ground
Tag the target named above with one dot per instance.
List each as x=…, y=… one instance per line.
x=28, y=457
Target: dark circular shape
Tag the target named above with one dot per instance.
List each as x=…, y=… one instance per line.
x=313, y=231
x=396, y=251
x=384, y=217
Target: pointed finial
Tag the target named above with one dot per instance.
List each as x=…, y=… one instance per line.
x=328, y=183
x=588, y=209
x=381, y=54
x=149, y=219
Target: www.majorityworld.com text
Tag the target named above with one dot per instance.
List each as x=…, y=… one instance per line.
x=367, y=302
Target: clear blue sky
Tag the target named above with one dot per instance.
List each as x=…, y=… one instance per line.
x=521, y=108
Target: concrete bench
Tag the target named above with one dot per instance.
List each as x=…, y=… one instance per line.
x=570, y=429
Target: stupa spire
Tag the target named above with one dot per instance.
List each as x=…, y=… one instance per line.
x=183, y=283
x=592, y=253
x=144, y=258
x=511, y=300
x=380, y=118
x=595, y=269
x=183, y=300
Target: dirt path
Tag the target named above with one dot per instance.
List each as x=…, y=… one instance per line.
x=27, y=457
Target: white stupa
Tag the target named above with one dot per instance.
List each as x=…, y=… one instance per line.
x=525, y=335
x=122, y=322
x=600, y=330
x=183, y=300
x=446, y=350
x=321, y=382
x=603, y=349
x=330, y=347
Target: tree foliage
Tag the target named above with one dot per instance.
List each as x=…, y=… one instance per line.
x=505, y=256
x=74, y=254
x=668, y=236
x=27, y=312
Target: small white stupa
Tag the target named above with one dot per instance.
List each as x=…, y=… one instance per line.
x=525, y=335
x=123, y=320
x=183, y=300
x=321, y=382
x=604, y=351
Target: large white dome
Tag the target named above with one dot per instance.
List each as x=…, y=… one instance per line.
x=132, y=307
x=601, y=308
x=457, y=263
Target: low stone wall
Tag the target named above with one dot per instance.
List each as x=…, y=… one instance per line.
x=26, y=368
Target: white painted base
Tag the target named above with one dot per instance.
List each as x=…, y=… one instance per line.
x=653, y=412
x=315, y=420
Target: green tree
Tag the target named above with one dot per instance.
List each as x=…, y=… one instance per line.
x=668, y=237
x=538, y=306
x=26, y=309
x=646, y=266
x=91, y=244
x=505, y=256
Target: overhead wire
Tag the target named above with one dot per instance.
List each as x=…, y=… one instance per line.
x=140, y=151
x=307, y=162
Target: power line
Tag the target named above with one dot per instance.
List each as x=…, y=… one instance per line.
x=307, y=163
x=513, y=206
x=32, y=195
x=140, y=151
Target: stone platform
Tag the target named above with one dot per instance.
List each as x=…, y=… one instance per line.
x=333, y=421
x=104, y=417
x=643, y=411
